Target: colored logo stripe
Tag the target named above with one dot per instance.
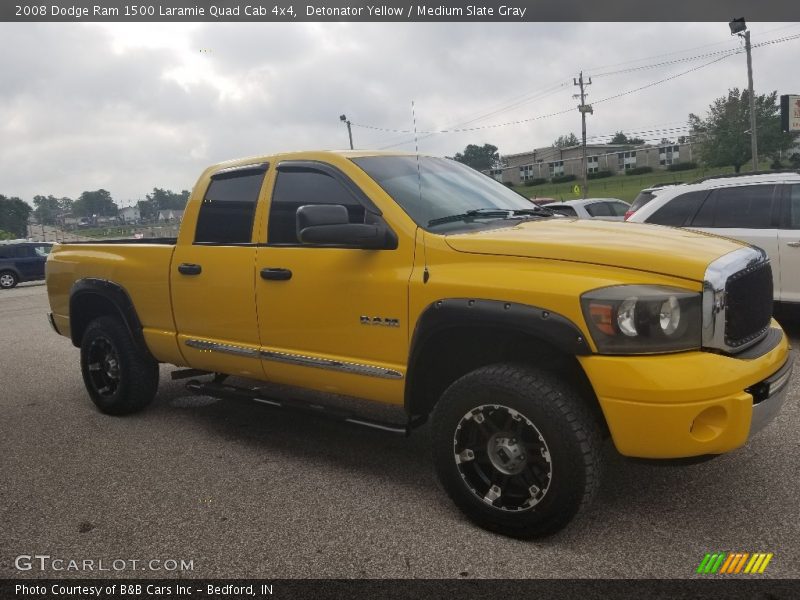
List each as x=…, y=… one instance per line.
x=734, y=562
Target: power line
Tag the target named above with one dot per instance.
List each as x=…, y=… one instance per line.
x=460, y=129
x=537, y=118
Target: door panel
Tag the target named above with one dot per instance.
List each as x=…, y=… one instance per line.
x=746, y=213
x=217, y=306
x=789, y=245
x=213, y=277
x=339, y=322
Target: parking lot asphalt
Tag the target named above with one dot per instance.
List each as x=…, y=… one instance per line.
x=243, y=491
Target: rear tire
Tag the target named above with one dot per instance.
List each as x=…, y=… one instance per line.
x=8, y=280
x=516, y=449
x=120, y=378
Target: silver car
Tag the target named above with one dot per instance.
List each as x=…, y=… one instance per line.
x=608, y=209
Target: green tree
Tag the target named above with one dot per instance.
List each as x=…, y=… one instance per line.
x=47, y=209
x=65, y=205
x=565, y=141
x=724, y=137
x=479, y=157
x=97, y=203
x=161, y=199
x=622, y=139
x=14, y=215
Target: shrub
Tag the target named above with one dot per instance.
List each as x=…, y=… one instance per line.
x=535, y=181
x=508, y=184
x=600, y=174
x=639, y=171
x=563, y=178
x=682, y=166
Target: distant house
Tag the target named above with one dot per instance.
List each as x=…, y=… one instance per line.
x=170, y=215
x=549, y=162
x=129, y=214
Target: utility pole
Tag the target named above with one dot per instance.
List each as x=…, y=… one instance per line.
x=739, y=27
x=583, y=108
x=753, y=136
x=343, y=119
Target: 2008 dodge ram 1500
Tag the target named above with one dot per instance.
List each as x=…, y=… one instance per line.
x=418, y=282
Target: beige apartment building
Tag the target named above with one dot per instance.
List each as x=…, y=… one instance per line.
x=549, y=162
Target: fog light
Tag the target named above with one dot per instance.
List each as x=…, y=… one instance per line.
x=709, y=424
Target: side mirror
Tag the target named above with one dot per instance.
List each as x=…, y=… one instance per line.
x=329, y=224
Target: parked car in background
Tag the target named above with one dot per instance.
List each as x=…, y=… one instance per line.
x=763, y=210
x=608, y=209
x=22, y=261
x=645, y=196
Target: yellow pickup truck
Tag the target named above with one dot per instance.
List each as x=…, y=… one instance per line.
x=418, y=282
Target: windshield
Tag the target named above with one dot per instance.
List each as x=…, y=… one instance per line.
x=443, y=188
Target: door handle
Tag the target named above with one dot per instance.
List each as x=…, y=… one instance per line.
x=276, y=274
x=189, y=269
x=793, y=244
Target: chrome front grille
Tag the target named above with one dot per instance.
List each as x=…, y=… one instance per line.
x=737, y=300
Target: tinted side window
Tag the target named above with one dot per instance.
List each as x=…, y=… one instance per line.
x=5, y=252
x=618, y=209
x=598, y=209
x=678, y=211
x=298, y=186
x=794, y=207
x=748, y=207
x=642, y=199
x=226, y=214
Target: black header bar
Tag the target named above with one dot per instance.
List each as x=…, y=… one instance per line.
x=519, y=11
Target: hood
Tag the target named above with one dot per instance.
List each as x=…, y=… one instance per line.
x=653, y=248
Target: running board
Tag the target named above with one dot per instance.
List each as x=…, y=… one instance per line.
x=230, y=392
x=186, y=373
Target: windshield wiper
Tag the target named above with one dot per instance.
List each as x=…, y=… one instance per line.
x=483, y=213
x=534, y=210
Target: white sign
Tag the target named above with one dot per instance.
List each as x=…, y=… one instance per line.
x=794, y=113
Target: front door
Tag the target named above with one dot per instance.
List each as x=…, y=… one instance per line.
x=789, y=245
x=212, y=278
x=332, y=318
x=749, y=213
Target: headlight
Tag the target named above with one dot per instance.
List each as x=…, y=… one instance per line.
x=630, y=319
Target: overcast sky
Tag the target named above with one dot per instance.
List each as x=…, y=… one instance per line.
x=129, y=107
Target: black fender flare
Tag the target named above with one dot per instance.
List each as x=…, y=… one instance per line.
x=450, y=313
x=118, y=297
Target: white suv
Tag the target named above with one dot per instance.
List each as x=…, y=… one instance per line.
x=760, y=209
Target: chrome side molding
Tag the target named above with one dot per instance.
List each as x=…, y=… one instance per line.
x=296, y=359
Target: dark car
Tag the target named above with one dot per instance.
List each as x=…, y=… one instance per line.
x=22, y=261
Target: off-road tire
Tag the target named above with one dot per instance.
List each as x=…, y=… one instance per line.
x=551, y=411
x=125, y=379
x=8, y=280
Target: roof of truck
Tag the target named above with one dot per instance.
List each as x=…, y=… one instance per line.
x=305, y=154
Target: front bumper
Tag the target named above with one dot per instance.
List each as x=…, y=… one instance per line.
x=690, y=403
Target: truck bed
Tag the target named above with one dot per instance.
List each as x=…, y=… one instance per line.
x=140, y=267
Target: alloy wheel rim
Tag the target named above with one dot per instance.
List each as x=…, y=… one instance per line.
x=6, y=280
x=103, y=365
x=502, y=457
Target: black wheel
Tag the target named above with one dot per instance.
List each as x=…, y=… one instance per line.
x=8, y=280
x=516, y=449
x=120, y=379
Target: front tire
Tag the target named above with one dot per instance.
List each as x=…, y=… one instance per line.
x=119, y=377
x=516, y=449
x=8, y=280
